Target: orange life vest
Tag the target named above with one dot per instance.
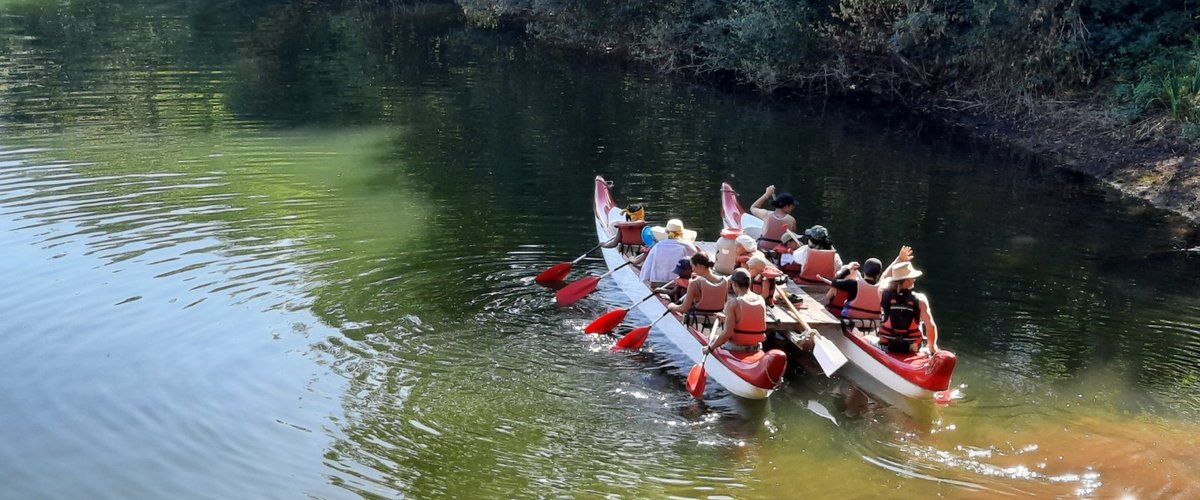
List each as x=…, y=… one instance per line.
x=865, y=304
x=820, y=262
x=773, y=229
x=751, y=327
x=764, y=284
x=712, y=297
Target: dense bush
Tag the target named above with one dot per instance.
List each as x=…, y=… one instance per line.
x=1000, y=52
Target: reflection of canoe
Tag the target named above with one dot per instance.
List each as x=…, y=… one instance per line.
x=914, y=375
x=752, y=375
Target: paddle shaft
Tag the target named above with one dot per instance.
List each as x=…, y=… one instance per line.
x=589, y=252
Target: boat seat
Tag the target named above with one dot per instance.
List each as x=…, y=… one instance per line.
x=863, y=325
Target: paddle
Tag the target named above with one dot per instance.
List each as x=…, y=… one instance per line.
x=579, y=289
x=559, y=271
x=609, y=320
x=637, y=336
x=826, y=352
x=697, y=377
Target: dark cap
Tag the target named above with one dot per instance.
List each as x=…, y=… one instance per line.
x=872, y=267
x=783, y=200
x=683, y=266
x=817, y=232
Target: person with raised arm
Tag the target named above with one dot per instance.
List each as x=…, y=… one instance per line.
x=775, y=222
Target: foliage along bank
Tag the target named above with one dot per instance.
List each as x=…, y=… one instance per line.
x=1112, y=87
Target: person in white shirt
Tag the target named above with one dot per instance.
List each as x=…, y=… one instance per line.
x=673, y=242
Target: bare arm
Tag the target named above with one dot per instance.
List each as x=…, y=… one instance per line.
x=731, y=318
x=756, y=207
x=930, y=327
x=905, y=255
x=693, y=295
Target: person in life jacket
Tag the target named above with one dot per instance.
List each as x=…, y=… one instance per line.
x=816, y=258
x=676, y=289
x=853, y=279
x=746, y=249
x=905, y=312
x=672, y=243
x=763, y=278
x=706, y=293
x=745, y=318
x=774, y=222
x=787, y=261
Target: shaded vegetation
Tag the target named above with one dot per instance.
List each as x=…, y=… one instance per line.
x=999, y=57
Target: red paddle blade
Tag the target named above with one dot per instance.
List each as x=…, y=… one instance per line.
x=556, y=273
x=634, y=339
x=697, y=377
x=606, y=322
x=575, y=291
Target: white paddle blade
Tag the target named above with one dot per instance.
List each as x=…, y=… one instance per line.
x=828, y=355
x=752, y=225
x=821, y=411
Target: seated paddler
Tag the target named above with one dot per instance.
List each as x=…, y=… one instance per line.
x=745, y=318
x=672, y=243
x=905, y=313
x=676, y=289
x=856, y=289
x=816, y=258
x=706, y=294
x=775, y=222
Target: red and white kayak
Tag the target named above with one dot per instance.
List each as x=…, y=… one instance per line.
x=751, y=375
x=914, y=375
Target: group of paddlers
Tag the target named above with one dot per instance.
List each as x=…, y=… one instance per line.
x=735, y=286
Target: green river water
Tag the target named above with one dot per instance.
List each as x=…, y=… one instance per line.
x=281, y=249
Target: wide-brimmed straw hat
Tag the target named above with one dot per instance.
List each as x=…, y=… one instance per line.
x=905, y=271
x=674, y=229
x=788, y=235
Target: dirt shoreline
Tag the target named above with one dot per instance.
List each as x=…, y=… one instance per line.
x=1136, y=160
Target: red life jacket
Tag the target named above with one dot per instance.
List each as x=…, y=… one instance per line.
x=820, y=262
x=764, y=284
x=865, y=304
x=837, y=302
x=631, y=232
x=902, y=323
x=751, y=327
x=773, y=229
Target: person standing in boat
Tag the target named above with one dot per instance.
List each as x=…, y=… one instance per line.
x=776, y=222
x=706, y=294
x=905, y=312
x=672, y=243
x=745, y=318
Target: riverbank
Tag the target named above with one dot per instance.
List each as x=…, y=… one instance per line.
x=1074, y=85
x=1139, y=161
